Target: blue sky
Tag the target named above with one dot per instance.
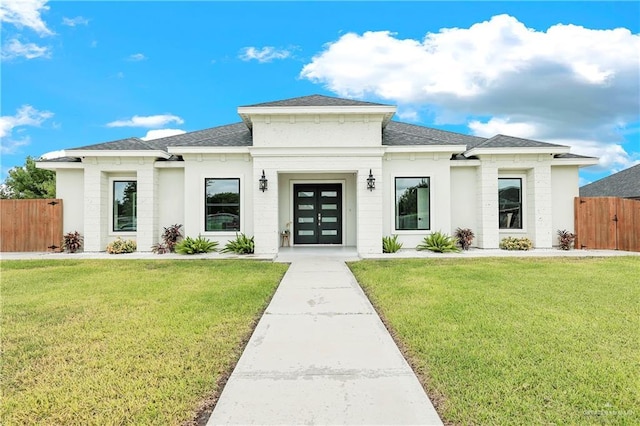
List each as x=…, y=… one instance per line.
x=78, y=73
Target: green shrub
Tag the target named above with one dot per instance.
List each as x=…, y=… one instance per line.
x=465, y=237
x=391, y=244
x=241, y=245
x=120, y=246
x=439, y=243
x=514, y=243
x=195, y=245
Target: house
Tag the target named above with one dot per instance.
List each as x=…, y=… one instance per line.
x=333, y=171
x=624, y=184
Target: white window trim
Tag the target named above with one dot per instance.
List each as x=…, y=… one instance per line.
x=111, y=232
x=523, y=195
x=393, y=207
x=203, y=204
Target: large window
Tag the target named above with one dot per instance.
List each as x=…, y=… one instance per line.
x=125, y=208
x=222, y=205
x=412, y=203
x=510, y=203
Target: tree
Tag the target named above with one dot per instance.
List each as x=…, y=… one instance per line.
x=29, y=182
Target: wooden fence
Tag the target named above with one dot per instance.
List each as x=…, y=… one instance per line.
x=607, y=223
x=30, y=225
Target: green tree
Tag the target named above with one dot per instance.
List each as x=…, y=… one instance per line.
x=29, y=182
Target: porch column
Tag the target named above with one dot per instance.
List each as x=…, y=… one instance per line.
x=265, y=210
x=487, y=190
x=96, y=205
x=370, y=205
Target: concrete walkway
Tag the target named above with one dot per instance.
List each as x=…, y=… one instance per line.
x=321, y=355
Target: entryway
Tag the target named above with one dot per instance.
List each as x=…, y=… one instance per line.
x=317, y=213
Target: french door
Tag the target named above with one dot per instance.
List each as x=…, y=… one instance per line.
x=317, y=213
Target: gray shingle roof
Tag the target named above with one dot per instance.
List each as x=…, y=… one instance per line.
x=625, y=184
x=236, y=134
x=127, y=144
x=228, y=135
x=314, y=101
x=504, y=141
x=569, y=155
x=397, y=134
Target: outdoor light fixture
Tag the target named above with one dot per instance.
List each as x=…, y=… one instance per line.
x=263, y=182
x=371, y=182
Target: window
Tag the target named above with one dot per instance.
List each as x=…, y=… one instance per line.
x=510, y=203
x=412, y=203
x=222, y=205
x=125, y=208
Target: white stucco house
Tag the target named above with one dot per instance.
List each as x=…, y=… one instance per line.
x=333, y=171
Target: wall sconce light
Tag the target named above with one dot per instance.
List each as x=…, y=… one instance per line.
x=263, y=182
x=371, y=182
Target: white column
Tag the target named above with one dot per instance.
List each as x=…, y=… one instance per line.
x=540, y=217
x=147, y=209
x=265, y=210
x=487, y=233
x=369, y=214
x=96, y=190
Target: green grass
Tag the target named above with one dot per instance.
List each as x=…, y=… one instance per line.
x=517, y=341
x=123, y=342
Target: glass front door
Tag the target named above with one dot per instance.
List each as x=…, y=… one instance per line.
x=317, y=213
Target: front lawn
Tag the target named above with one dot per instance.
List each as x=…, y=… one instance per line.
x=123, y=341
x=517, y=341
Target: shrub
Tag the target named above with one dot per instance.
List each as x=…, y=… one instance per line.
x=195, y=245
x=513, y=243
x=72, y=241
x=241, y=245
x=391, y=244
x=439, y=243
x=170, y=238
x=566, y=239
x=120, y=246
x=465, y=237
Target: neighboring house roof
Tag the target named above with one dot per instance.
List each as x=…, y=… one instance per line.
x=314, y=101
x=394, y=133
x=624, y=184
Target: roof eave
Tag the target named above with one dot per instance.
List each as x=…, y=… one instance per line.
x=517, y=150
x=116, y=153
x=580, y=162
x=449, y=149
x=180, y=150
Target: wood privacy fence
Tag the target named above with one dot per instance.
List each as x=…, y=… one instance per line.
x=30, y=225
x=607, y=223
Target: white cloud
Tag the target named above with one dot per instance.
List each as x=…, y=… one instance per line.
x=72, y=22
x=14, y=48
x=25, y=13
x=161, y=133
x=136, y=57
x=566, y=83
x=149, y=121
x=264, y=54
x=26, y=115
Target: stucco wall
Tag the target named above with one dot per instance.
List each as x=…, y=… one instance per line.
x=70, y=188
x=170, y=198
x=565, y=187
x=464, y=199
x=433, y=165
x=317, y=131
